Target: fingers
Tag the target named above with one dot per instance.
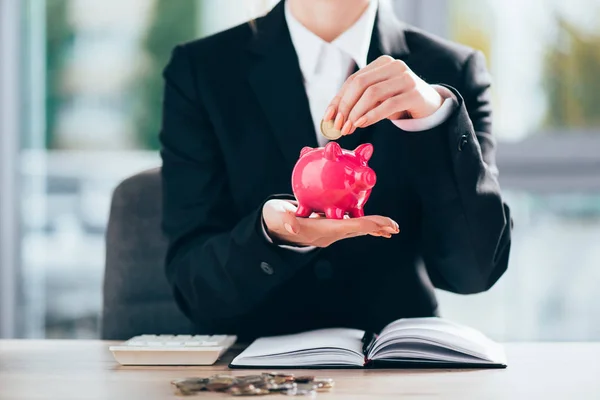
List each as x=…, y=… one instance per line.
x=383, y=70
x=383, y=233
x=382, y=60
x=368, y=225
x=355, y=89
x=387, y=108
x=372, y=96
x=387, y=226
x=332, y=109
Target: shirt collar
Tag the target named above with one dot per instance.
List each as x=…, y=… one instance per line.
x=354, y=42
x=357, y=39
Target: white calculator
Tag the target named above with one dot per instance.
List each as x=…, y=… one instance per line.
x=172, y=349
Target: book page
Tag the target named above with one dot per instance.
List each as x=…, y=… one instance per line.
x=322, y=346
x=407, y=335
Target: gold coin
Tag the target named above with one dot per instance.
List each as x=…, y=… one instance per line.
x=329, y=131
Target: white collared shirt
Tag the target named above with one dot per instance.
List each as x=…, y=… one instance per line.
x=326, y=66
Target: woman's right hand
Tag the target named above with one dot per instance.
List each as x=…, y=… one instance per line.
x=282, y=224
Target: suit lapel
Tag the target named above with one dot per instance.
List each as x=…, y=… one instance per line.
x=389, y=34
x=278, y=84
x=388, y=38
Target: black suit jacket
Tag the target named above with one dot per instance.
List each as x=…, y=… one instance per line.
x=235, y=118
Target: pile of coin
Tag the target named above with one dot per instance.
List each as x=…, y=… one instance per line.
x=254, y=385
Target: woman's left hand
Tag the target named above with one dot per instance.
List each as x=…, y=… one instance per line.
x=386, y=88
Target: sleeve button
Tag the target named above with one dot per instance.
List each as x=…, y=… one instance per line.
x=267, y=269
x=462, y=142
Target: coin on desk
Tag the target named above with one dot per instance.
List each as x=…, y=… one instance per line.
x=329, y=131
x=323, y=384
x=247, y=390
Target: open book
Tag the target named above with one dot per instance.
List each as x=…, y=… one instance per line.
x=405, y=343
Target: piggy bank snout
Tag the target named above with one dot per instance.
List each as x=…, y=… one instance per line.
x=366, y=178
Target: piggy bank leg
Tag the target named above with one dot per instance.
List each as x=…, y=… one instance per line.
x=334, y=213
x=303, y=212
x=357, y=213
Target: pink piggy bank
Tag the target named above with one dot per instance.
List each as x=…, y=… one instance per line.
x=333, y=181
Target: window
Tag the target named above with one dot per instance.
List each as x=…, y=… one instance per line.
x=91, y=119
x=544, y=56
x=90, y=85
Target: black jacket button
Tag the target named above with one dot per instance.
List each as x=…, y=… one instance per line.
x=267, y=269
x=462, y=142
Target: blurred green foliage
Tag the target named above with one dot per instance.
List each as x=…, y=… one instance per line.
x=58, y=36
x=572, y=78
x=172, y=22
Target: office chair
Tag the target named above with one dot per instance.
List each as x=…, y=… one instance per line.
x=137, y=298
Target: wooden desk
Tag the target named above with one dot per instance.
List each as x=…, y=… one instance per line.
x=86, y=370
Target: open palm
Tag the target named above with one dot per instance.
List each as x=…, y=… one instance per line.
x=282, y=224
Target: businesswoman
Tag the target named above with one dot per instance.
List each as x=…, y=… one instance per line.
x=238, y=108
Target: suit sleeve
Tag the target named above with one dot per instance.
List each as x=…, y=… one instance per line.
x=219, y=263
x=465, y=224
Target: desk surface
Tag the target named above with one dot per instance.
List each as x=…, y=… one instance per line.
x=86, y=370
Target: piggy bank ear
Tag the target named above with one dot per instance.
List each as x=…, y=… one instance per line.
x=364, y=152
x=332, y=151
x=305, y=150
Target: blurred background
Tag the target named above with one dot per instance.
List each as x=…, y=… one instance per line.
x=80, y=98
